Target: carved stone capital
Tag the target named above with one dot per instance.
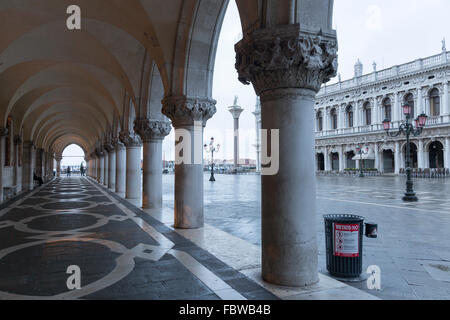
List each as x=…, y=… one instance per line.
x=109, y=147
x=117, y=144
x=58, y=158
x=184, y=111
x=286, y=57
x=151, y=130
x=100, y=152
x=130, y=139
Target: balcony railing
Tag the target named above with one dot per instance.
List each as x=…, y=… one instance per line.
x=409, y=67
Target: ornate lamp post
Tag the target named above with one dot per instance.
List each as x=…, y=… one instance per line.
x=211, y=149
x=407, y=128
x=359, y=151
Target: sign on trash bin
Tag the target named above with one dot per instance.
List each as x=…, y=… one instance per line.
x=346, y=240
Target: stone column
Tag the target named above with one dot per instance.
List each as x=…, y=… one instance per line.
x=3, y=134
x=396, y=110
x=152, y=133
x=377, y=157
x=28, y=166
x=447, y=153
x=397, y=158
x=189, y=116
x=236, y=113
x=446, y=102
x=420, y=157
x=420, y=105
x=100, y=165
x=111, y=149
x=40, y=163
x=326, y=159
x=287, y=68
x=341, y=158
x=121, y=162
x=133, y=179
x=58, y=159
x=17, y=145
x=105, y=167
x=381, y=160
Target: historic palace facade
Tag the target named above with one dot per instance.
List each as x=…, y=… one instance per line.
x=349, y=114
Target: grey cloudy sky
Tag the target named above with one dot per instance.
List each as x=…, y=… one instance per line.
x=385, y=31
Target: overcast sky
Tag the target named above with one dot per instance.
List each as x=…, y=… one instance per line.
x=385, y=31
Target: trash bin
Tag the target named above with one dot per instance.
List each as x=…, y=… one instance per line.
x=344, y=246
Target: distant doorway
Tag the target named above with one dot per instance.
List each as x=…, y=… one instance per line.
x=436, y=152
x=388, y=161
x=320, y=162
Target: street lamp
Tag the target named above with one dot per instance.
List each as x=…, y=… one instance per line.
x=361, y=161
x=211, y=149
x=408, y=128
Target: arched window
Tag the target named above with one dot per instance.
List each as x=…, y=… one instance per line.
x=409, y=98
x=333, y=115
x=319, y=121
x=367, y=114
x=435, y=103
x=349, y=116
x=387, y=107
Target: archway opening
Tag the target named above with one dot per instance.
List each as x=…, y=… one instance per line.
x=350, y=162
x=388, y=161
x=320, y=162
x=436, y=153
x=73, y=158
x=413, y=155
x=335, y=161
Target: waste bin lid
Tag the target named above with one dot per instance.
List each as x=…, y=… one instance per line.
x=343, y=217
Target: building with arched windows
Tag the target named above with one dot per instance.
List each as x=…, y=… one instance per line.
x=358, y=106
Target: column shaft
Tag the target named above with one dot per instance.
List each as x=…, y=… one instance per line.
x=112, y=170
x=133, y=171
x=152, y=175
x=289, y=247
x=121, y=161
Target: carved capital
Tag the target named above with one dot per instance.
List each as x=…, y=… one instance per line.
x=130, y=139
x=28, y=144
x=100, y=152
x=58, y=158
x=150, y=130
x=109, y=147
x=184, y=111
x=117, y=144
x=285, y=57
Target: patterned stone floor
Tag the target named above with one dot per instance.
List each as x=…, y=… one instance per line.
x=413, y=246
x=122, y=252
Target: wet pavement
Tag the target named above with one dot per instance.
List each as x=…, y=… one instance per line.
x=413, y=245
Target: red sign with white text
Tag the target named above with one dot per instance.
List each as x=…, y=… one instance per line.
x=346, y=240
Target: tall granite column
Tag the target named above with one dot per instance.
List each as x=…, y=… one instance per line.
x=17, y=161
x=189, y=116
x=28, y=166
x=110, y=148
x=106, y=167
x=152, y=133
x=133, y=145
x=58, y=159
x=236, y=111
x=287, y=66
x=100, y=165
x=40, y=163
x=121, y=163
x=3, y=134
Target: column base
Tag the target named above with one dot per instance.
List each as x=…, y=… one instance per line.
x=410, y=197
